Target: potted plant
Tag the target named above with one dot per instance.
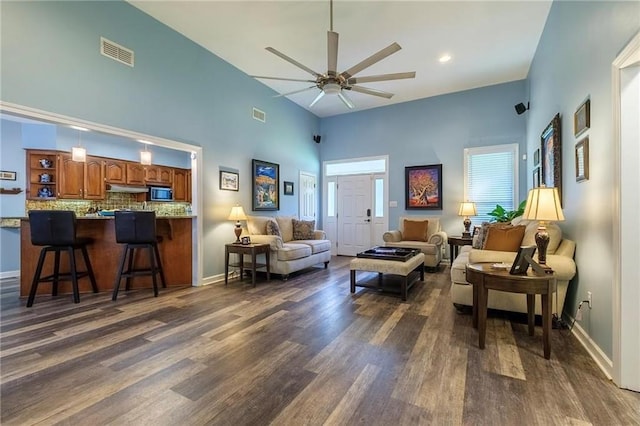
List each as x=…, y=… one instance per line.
x=500, y=214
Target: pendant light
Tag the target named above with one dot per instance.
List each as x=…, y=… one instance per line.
x=145, y=156
x=79, y=153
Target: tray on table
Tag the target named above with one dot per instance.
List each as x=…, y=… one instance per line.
x=400, y=254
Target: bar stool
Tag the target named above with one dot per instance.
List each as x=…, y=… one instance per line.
x=56, y=231
x=137, y=229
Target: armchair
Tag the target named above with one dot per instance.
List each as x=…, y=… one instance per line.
x=413, y=232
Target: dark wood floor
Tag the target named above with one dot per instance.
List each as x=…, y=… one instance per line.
x=304, y=351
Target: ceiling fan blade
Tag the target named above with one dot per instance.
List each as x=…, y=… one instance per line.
x=284, y=79
x=382, y=77
x=332, y=53
x=295, y=91
x=293, y=61
x=376, y=57
x=344, y=98
x=373, y=92
x=320, y=95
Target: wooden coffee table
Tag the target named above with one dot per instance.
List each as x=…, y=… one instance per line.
x=485, y=278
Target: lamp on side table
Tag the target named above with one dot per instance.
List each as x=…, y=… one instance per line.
x=237, y=214
x=467, y=209
x=543, y=205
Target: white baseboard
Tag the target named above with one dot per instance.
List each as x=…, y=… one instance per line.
x=9, y=274
x=605, y=364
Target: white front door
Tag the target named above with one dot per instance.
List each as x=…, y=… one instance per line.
x=354, y=214
x=308, y=196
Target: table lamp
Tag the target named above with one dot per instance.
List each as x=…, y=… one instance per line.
x=543, y=205
x=467, y=209
x=237, y=214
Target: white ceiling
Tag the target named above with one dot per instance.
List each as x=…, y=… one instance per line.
x=490, y=42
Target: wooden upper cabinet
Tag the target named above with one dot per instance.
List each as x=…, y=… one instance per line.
x=115, y=171
x=135, y=173
x=79, y=180
x=158, y=174
x=180, y=186
x=94, y=186
x=70, y=177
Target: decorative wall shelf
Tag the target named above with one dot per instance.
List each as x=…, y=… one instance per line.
x=10, y=191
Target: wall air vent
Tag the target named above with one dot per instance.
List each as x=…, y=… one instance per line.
x=117, y=52
x=259, y=115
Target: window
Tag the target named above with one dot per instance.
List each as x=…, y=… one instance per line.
x=490, y=178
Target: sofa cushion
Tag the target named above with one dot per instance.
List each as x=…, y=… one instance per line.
x=317, y=246
x=504, y=238
x=292, y=251
x=285, y=223
x=303, y=229
x=273, y=228
x=257, y=225
x=415, y=230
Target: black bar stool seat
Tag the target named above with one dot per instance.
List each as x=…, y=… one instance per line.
x=137, y=229
x=56, y=231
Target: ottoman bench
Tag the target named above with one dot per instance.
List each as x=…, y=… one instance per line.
x=394, y=267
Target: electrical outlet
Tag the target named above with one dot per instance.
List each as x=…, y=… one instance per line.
x=589, y=296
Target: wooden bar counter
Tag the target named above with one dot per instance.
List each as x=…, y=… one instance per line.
x=104, y=253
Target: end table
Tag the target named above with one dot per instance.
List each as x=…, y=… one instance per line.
x=241, y=250
x=455, y=242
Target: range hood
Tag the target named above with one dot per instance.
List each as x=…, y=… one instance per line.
x=129, y=189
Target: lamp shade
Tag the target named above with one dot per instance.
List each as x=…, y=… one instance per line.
x=78, y=153
x=237, y=213
x=467, y=209
x=145, y=157
x=543, y=204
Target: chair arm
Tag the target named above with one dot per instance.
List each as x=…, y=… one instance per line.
x=438, y=238
x=394, y=236
x=273, y=240
x=319, y=235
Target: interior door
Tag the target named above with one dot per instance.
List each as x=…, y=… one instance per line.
x=354, y=214
x=308, y=196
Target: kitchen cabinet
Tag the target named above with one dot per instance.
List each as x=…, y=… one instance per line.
x=181, y=185
x=42, y=175
x=80, y=180
x=115, y=171
x=158, y=175
x=135, y=173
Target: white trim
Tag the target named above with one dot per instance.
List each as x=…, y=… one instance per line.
x=197, y=165
x=601, y=359
x=9, y=274
x=628, y=56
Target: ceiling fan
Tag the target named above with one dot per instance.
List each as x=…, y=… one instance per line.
x=333, y=83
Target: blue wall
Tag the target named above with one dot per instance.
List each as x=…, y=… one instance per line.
x=431, y=131
x=177, y=90
x=573, y=63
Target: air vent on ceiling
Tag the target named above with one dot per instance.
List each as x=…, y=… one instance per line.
x=117, y=52
x=259, y=115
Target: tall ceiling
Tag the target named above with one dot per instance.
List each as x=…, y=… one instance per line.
x=490, y=42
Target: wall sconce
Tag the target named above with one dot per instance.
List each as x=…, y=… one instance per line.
x=145, y=156
x=78, y=153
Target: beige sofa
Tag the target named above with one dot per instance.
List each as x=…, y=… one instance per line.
x=559, y=257
x=288, y=255
x=431, y=245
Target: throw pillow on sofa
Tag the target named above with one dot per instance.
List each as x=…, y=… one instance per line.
x=415, y=230
x=504, y=238
x=273, y=228
x=303, y=229
x=478, y=243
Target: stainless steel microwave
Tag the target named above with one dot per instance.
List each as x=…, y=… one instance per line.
x=160, y=193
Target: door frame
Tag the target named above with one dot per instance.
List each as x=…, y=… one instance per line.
x=626, y=316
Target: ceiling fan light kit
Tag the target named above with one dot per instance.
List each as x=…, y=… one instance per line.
x=333, y=83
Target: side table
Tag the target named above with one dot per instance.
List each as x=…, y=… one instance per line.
x=241, y=250
x=485, y=278
x=455, y=243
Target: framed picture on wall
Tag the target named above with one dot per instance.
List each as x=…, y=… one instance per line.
x=551, y=149
x=582, y=160
x=288, y=188
x=536, y=177
x=423, y=187
x=582, y=118
x=266, y=185
x=229, y=181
